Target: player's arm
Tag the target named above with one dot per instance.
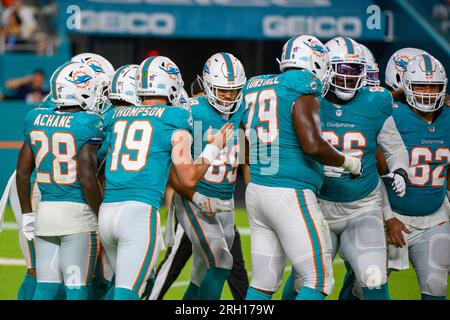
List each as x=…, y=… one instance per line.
x=395, y=154
x=244, y=145
x=306, y=119
x=448, y=185
x=185, y=192
x=189, y=173
x=87, y=172
x=25, y=166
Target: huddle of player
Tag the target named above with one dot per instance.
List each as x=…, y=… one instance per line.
x=332, y=165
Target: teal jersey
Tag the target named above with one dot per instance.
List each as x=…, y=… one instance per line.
x=276, y=156
x=220, y=179
x=139, y=160
x=353, y=129
x=56, y=139
x=429, y=153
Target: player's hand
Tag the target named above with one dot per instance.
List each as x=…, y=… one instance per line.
x=221, y=137
x=28, y=225
x=352, y=164
x=211, y=206
x=398, y=182
x=333, y=172
x=394, y=230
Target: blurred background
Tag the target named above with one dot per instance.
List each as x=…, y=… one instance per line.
x=38, y=36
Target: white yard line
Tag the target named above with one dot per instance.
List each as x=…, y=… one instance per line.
x=12, y=262
x=10, y=226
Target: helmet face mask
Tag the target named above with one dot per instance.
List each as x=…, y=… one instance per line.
x=222, y=81
x=425, y=83
x=347, y=78
x=373, y=77
x=425, y=97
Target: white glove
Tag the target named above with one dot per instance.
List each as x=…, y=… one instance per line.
x=398, y=183
x=333, y=172
x=352, y=165
x=28, y=225
x=211, y=205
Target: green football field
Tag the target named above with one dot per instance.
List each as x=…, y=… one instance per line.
x=402, y=285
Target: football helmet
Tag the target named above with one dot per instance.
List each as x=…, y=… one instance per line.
x=372, y=70
x=424, y=70
x=123, y=85
x=397, y=64
x=348, y=73
x=307, y=52
x=223, y=71
x=159, y=76
x=74, y=84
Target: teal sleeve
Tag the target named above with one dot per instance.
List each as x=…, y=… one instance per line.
x=302, y=82
x=91, y=129
x=381, y=98
x=181, y=118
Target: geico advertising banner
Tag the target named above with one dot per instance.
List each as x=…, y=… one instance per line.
x=223, y=19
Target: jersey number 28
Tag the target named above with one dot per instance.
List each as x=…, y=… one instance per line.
x=61, y=156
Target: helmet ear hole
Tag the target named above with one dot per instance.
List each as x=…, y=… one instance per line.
x=397, y=77
x=317, y=65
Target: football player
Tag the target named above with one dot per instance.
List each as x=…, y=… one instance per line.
x=121, y=93
x=282, y=121
x=418, y=228
x=393, y=74
x=62, y=145
x=206, y=212
x=145, y=141
x=357, y=119
x=372, y=70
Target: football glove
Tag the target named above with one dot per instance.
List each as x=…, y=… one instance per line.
x=28, y=225
x=352, y=165
x=398, y=181
x=211, y=206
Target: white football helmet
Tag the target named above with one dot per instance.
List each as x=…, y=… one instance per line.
x=424, y=69
x=74, y=84
x=307, y=52
x=372, y=70
x=348, y=62
x=103, y=68
x=223, y=71
x=103, y=71
x=397, y=65
x=123, y=85
x=159, y=76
